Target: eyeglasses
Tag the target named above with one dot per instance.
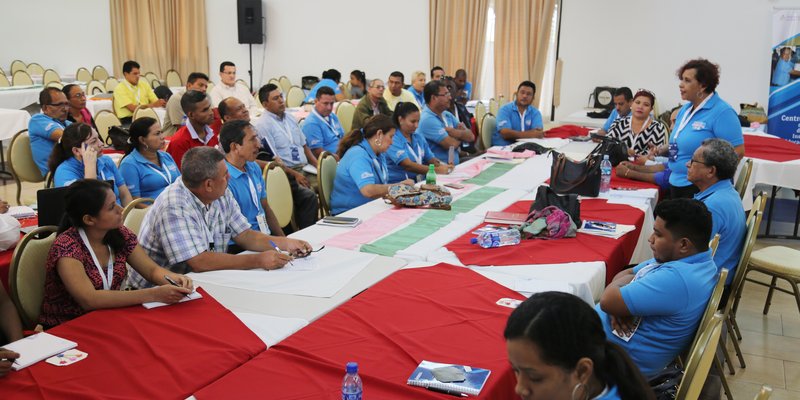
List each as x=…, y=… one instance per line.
x=692, y=161
x=446, y=94
x=62, y=104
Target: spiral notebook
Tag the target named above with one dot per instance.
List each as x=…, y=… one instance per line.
x=460, y=378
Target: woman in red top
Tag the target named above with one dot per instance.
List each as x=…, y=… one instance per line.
x=86, y=268
x=77, y=105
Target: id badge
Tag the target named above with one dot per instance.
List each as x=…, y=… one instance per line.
x=262, y=223
x=673, y=151
x=295, y=154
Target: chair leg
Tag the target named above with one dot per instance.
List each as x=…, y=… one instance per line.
x=796, y=292
x=769, y=294
x=19, y=192
x=736, y=348
x=727, y=359
x=722, y=378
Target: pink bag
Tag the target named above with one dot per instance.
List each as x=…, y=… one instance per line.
x=550, y=222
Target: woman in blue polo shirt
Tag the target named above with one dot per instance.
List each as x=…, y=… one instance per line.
x=148, y=170
x=558, y=350
x=79, y=155
x=362, y=174
x=409, y=155
x=705, y=116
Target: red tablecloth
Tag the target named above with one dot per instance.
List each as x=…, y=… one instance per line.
x=582, y=248
x=442, y=313
x=773, y=149
x=566, y=131
x=5, y=256
x=162, y=353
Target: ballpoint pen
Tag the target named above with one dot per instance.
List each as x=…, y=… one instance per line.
x=275, y=246
x=173, y=283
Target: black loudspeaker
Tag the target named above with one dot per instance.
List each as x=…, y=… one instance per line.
x=249, y=15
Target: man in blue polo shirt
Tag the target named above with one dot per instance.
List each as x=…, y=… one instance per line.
x=711, y=169
x=654, y=309
x=322, y=127
x=623, y=99
x=330, y=78
x=784, y=68
x=463, y=87
x=439, y=126
x=240, y=143
x=518, y=119
x=46, y=128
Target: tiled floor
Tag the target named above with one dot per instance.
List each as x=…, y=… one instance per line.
x=771, y=343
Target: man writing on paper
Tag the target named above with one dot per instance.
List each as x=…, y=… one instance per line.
x=653, y=310
x=133, y=92
x=190, y=224
x=711, y=169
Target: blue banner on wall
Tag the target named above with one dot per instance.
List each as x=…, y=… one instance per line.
x=784, y=89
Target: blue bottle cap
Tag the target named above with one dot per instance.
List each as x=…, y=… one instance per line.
x=473, y=241
x=352, y=367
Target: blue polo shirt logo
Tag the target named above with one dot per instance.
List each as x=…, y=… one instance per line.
x=528, y=122
x=365, y=175
x=698, y=125
x=399, y=153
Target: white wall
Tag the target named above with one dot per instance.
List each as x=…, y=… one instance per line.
x=640, y=44
x=63, y=35
x=309, y=36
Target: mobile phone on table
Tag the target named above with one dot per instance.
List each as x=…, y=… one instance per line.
x=454, y=185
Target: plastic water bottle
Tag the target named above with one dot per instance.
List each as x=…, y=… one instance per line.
x=497, y=238
x=605, y=175
x=352, y=387
x=430, y=178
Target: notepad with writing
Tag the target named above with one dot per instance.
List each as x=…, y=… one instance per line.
x=38, y=347
x=461, y=378
x=191, y=296
x=502, y=217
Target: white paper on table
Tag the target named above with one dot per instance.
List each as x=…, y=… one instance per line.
x=618, y=233
x=271, y=330
x=21, y=212
x=587, y=279
x=191, y=296
x=550, y=143
x=334, y=269
x=526, y=176
x=37, y=347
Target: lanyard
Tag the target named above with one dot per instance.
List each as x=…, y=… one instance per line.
x=108, y=278
x=137, y=90
x=418, y=155
x=287, y=130
x=253, y=193
x=644, y=125
x=688, y=117
x=209, y=235
x=380, y=169
x=167, y=177
x=331, y=125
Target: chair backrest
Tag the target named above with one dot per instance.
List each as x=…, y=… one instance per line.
x=284, y=83
x=95, y=87
x=4, y=81
x=753, y=224
x=301, y=122
x=713, y=244
x=275, y=82
x=493, y=106
x=700, y=358
x=759, y=203
x=111, y=84
x=764, y=393
x=347, y=90
x=57, y=85
x=209, y=87
x=20, y=161
x=243, y=83
x=27, y=274
x=99, y=73
x=744, y=177
x=132, y=216
x=17, y=65
x=279, y=193
x=35, y=69
x=104, y=120
x=21, y=78
x=83, y=75
x=140, y=112
x=480, y=111
x=174, y=78
x=326, y=172
x=50, y=76
x=488, y=125
x=295, y=97
x=713, y=304
x=345, y=112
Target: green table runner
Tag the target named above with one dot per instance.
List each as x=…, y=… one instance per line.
x=491, y=173
x=428, y=223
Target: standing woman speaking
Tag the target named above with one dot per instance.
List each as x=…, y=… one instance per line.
x=705, y=116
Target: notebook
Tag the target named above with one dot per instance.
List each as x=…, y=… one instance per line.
x=191, y=296
x=502, y=217
x=347, y=222
x=38, y=347
x=460, y=378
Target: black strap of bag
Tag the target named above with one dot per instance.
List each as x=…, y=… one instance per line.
x=118, y=138
x=616, y=149
x=545, y=196
x=576, y=177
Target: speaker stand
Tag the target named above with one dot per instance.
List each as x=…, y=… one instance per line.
x=250, y=71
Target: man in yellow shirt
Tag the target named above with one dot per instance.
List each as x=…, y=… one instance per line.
x=132, y=93
x=394, y=92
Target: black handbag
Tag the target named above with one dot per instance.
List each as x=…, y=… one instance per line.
x=119, y=138
x=534, y=147
x=665, y=383
x=545, y=196
x=617, y=150
x=576, y=177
